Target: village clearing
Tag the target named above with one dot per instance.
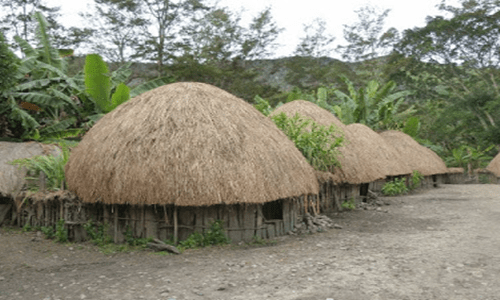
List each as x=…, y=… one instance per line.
x=440, y=243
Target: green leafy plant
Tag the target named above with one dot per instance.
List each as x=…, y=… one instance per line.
x=98, y=233
x=416, y=180
x=61, y=233
x=350, y=204
x=136, y=242
x=48, y=232
x=27, y=227
x=51, y=166
x=319, y=144
x=215, y=235
x=396, y=187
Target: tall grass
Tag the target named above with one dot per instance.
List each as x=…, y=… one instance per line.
x=51, y=166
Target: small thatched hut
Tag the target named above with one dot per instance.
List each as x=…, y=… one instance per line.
x=12, y=179
x=182, y=155
x=371, y=147
x=455, y=176
x=420, y=158
x=494, y=168
x=356, y=168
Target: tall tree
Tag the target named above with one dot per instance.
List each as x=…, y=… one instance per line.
x=116, y=28
x=167, y=18
x=368, y=40
x=316, y=42
x=18, y=18
x=454, y=59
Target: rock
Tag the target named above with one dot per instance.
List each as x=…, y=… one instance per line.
x=337, y=226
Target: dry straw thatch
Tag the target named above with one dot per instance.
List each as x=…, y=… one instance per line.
x=419, y=158
x=372, y=148
x=456, y=171
x=494, y=165
x=355, y=167
x=188, y=144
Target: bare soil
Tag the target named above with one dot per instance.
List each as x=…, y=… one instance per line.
x=442, y=243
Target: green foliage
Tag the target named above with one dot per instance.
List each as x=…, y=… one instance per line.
x=51, y=166
x=416, y=180
x=377, y=106
x=27, y=227
x=318, y=144
x=137, y=242
x=412, y=126
x=396, y=187
x=8, y=65
x=350, y=204
x=263, y=106
x=61, y=233
x=469, y=158
x=48, y=232
x=98, y=233
x=97, y=81
x=215, y=235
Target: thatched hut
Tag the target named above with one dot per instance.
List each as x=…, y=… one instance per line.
x=420, y=158
x=356, y=169
x=180, y=156
x=371, y=147
x=494, y=168
x=455, y=176
x=12, y=178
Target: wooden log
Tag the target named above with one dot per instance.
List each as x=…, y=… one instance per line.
x=271, y=230
x=234, y=222
x=249, y=215
x=176, y=229
x=115, y=223
x=286, y=215
x=158, y=245
x=151, y=225
x=259, y=221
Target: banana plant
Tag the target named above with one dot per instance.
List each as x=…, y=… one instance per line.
x=108, y=90
x=374, y=105
x=43, y=100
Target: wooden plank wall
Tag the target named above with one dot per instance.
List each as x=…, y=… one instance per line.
x=242, y=222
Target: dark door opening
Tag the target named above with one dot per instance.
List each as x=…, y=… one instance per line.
x=273, y=210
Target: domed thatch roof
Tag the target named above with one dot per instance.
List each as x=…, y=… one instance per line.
x=455, y=170
x=494, y=165
x=355, y=168
x=373, y=148
x=187, y=144
x=311, y=111
x=420, y=158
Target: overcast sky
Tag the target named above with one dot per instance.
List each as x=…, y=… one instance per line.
x=290, y=14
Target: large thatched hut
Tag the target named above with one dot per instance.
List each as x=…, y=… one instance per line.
x=420, y=158
x=358, y=168
x=180, y=156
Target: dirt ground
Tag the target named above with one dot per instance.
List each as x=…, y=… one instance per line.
x=442, y=243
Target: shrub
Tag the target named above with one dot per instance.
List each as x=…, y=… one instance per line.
x=319, y=144
x=396, y=187
x=214, y=236
x=51, y=166
x=350, y=204
x=416, y=179
x=61, y=232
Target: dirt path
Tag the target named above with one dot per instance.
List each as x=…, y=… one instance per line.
x=438, y=244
